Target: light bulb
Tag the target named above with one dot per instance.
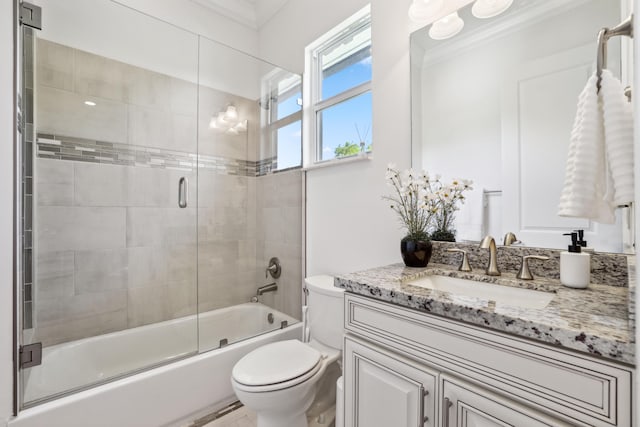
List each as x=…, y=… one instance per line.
x=422, y=11
x=489, y=8
x=231, y=114
x=446, y=27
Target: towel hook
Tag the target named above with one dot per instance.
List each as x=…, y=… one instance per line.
x=625, y=28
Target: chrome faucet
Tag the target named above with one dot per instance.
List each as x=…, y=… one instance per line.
x=271, y=287
x=492, y=268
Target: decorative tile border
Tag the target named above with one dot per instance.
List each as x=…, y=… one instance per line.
x=27, y=143
x=86, y=150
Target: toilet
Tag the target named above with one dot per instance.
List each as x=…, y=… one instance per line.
x=278, y=380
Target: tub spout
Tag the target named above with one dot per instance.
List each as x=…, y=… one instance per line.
x=271, y=287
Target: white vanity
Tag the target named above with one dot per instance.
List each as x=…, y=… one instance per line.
x=416, y=356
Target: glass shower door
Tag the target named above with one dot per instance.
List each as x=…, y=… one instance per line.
x=110, y=153
x=246, y=215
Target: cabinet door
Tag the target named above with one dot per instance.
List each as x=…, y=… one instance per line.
x=464, y=405
x=383, y=389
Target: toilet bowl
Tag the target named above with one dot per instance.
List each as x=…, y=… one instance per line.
x=278, y=380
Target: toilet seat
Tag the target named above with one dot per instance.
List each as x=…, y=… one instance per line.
x=277, y=366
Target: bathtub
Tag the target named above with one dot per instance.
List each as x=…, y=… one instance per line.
x=163, y=396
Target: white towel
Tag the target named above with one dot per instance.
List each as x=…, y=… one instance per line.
x=618, y=137
x=470, y=217
x=600, y=160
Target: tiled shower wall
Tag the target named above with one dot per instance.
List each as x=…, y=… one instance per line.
x=113, y=249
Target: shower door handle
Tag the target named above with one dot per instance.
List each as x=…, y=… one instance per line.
x=183, y=192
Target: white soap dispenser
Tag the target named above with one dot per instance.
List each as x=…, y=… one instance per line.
x=575, y=266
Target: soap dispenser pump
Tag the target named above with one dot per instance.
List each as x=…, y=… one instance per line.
x=583, y=243
x=575, y=266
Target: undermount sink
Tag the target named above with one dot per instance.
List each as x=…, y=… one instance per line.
x=509, y=295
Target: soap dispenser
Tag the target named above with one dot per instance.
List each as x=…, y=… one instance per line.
x=575, y=266
x=583, y=243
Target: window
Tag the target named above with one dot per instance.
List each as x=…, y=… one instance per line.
x=281, y=104
x=338, y=91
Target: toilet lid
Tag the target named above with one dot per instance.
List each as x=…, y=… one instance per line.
x=275, y=363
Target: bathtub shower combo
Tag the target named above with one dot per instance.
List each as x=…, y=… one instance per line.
x=148, y=214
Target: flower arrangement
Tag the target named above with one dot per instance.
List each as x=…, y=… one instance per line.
x=444, y=204
x=426, y=206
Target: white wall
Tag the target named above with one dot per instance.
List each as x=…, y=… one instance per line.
x=349, y=226
x=199, y=20
x=6, y=208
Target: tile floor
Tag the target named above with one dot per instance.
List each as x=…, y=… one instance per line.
x=242, y=417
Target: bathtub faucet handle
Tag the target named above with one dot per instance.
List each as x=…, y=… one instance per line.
x=274, y=269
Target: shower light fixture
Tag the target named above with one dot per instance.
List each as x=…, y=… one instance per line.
x=425, y=10
x=446, y=27
x=227, y=121
x=489, y=8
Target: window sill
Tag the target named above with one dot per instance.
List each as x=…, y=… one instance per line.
x=341, y=161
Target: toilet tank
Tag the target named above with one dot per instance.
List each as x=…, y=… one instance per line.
x=325, y=311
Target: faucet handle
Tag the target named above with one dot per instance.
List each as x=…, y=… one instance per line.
x=524, y=273
x=464, y=263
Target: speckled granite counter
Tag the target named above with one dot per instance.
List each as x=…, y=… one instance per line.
x=597, y=320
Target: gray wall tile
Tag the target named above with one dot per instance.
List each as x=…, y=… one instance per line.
x=54, y=275
x=54, y=65
x=99, y=271
x=149, y=89
x=61, y=228
x=64, y=113
x=101, y=77
x=147, y=305
x=160, y=226
x=54, y=182
x=100, y=185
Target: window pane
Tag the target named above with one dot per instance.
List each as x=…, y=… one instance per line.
x=289, y=146
x=347, y=63
x=340, y=125
x=288, y=104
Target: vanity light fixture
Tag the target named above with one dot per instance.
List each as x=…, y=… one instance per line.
x=446, y=27
x=489, y=8
x=90, y=103
x=227, y=121
x=424, y=10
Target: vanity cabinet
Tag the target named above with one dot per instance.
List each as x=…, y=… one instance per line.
x=388, y=390
x=403, y=367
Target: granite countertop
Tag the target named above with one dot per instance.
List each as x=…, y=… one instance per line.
x=598, y=320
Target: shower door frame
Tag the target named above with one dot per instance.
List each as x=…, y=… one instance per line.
x=18, y=194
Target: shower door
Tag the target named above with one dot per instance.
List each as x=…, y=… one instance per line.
x=249, y=111
x=110, y=196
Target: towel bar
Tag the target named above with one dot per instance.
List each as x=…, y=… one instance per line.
x=625, y=28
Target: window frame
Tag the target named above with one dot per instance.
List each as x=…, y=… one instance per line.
x=313, y=104
x=272, y=123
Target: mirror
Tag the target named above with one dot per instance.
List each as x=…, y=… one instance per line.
x=496, y=104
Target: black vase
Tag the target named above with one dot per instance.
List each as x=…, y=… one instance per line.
x=415, y=253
